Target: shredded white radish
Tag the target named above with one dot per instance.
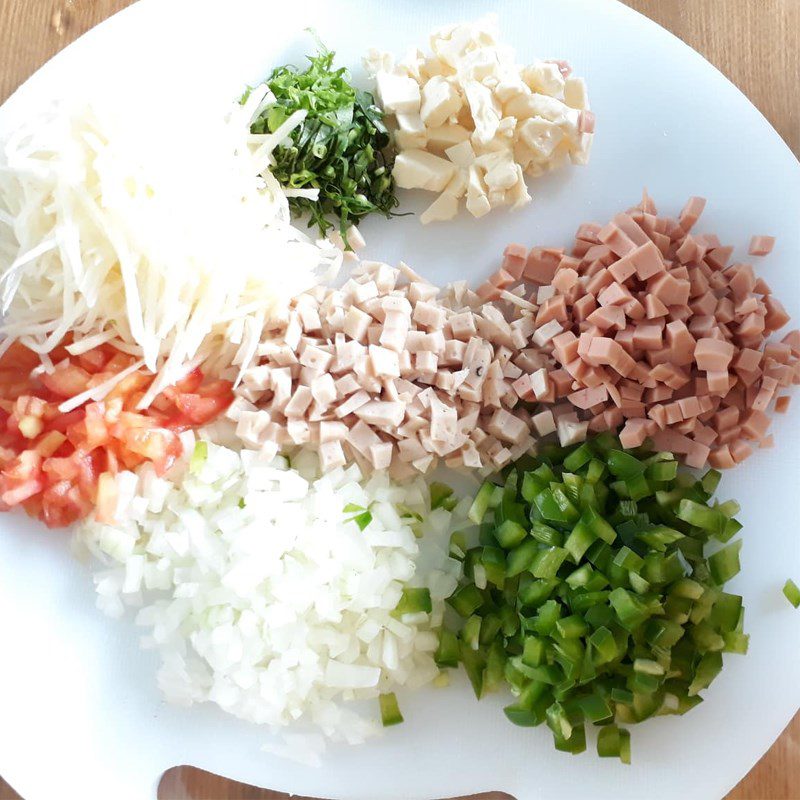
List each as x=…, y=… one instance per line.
x=261, y=594
x=152, y=222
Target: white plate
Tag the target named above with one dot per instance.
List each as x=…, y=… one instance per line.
x=79, y=712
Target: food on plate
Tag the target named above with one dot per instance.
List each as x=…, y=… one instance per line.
x=469, y=122
x=590, y=594
x=761, y=245
x=792, y=593
x=116, y=221
x=337, y=162
x=648, y=329
x=390, y=372
x=249, y=447
x=278, y=594
x=68, y=430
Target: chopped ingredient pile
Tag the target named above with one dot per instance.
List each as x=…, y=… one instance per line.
x=591, y=594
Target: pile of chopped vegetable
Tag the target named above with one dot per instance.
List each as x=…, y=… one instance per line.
x=339, y=152
x=278, y=594
x=591, y=595
x=61, y=445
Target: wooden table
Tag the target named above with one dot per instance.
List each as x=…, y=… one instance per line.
x=756, y=43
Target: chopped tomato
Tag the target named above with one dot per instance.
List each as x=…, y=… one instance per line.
x=60, y=467
x=66, y=381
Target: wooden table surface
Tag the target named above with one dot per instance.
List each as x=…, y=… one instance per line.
x=756, y=43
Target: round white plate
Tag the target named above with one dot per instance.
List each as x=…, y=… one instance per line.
x=79, y=712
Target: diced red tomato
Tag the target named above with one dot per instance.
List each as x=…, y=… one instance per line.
x=66, y=381
x=59, y=466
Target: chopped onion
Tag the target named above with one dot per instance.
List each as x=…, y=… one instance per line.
x=263, y=595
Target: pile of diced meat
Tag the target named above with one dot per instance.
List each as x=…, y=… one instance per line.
x=643, y=327
x=649, y=330
x=392, y=373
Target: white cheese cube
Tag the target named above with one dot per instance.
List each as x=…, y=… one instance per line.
x=502, y=175
x=376, y=61
x=416, y=169
x=510, y=84
x=480, y=64
x=580, y=154
x=541, y=136
x=440, y=100
x=478, y=206
x=461, y=154
x=443, y=208
x=518, y=194
x=477, y=201
x=544, y=77
x=397, y=93
x=485, y=111
x=540, y=105
x=410, y=132
x=458, y=185
x=575, y=95
x=439, y=139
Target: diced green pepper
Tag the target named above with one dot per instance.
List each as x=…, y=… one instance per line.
x=466, y=599
x=480, y=505
x=414, y=601
x=199, y=457
x=447, y=653
x=547, y=562
x=791, y=592
x=509, y=534
x=724, y=564
x=390, y=710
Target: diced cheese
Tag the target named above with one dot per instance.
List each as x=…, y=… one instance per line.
x=397, y=93
x=411, y=133
x=443, y=208
x=417, y=169
x=445, y=136
x=575, y=95
x=461, y=154
x=478, y=108
x=544, y=77
x=458, y=184
x=440, y=100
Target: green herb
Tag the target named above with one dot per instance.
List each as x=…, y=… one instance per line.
x=591, y=594
x=341, y=147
